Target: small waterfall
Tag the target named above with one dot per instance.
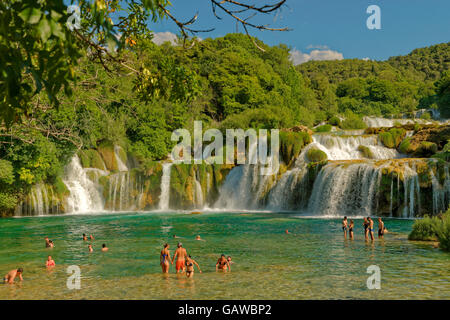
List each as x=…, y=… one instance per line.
x=198, y=195
x=441, y=193
x=347, y=147
x=120, y=165
x=84, y=194
x=411, y=188
x=165, y=186
x=391, y=197
x=382, y=122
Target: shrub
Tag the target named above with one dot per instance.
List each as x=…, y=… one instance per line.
x=316, y=155
x=7, y=201
x=425, y=229
x=405, y=146
x=427, y=148
x=443, y=232
x=367, y=153
x=387, y=139
x=334, y=121
x=352, y=121
x=323, y=128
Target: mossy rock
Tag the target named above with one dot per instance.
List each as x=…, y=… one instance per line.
x=291, y=144
x=106, y=150
x=366, y=152
x=406, y=147
x=426, y=149
x=316, y=155
x=91, y=159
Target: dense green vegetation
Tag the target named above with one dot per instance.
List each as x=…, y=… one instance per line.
x=226, y=82
x=383, y=88
x=433, y=229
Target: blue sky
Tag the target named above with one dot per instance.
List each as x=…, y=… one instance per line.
x=324, y=29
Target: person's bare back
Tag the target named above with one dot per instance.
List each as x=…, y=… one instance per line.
x=11, y=276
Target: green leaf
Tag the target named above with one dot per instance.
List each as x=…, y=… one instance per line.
x=30, y=15
x=44, y=29
x=57, y=30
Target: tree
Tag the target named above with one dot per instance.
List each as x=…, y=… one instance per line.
x=39, y=51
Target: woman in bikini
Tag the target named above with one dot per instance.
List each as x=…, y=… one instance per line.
x=223, y=264
x=190, y=267
x=165, y=259
x=366, y=228
x=350, y=229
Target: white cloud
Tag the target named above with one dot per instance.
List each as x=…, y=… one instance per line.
x=161, y=37
x=298, y=57
x=366, y=59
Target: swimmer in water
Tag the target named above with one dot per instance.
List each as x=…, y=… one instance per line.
x=287, y=231
x=370, y=227
x=47, y=242
x=90, y=248
x=50, y=262
x=229, y=260
x=198, y=238
x=190, y=267
x=222, y=264
x=164, y=258
x=10, y=276
x=104, y=248
x=51, y=245
x=84, y=237
x=181, y=255
x=381, y=228
x=91, y=237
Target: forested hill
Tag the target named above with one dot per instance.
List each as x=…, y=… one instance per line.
x=385, y=88
x=421, y=64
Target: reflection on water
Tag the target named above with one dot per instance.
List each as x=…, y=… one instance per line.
x=313, y=262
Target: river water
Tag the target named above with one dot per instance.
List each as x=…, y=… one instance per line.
x=313, y=262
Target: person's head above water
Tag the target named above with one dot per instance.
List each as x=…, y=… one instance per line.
x=19, y=270
x=103, y=245
x=345, y=217
x=229, y=258
x=49, y=258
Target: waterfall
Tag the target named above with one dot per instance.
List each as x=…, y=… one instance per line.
x=120, y=165
x=165, y=186
x=84, y=195
x=347, y=147
x=342, y=188
x=198, y=194
x=411, y=191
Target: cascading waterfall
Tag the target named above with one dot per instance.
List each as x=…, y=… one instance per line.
x=342, y=188
x=84, y=194
x=412, y=192
x=347, y=147
x=165, y=186
x=198, y=194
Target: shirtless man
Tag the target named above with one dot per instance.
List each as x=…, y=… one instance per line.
x=370, y=227
x=50, y=262
x=344, y=226
x=198, y=238
x=181, y=255
x=10, y=276
x=104, y=248
x=380, y=228
x=222, y=263
x=90, y=248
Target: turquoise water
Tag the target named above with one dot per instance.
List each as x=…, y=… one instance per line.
x=314, y=262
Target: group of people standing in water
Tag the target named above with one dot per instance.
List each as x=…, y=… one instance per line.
x=368, y=226
x=185, y=263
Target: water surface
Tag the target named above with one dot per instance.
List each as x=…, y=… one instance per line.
x=314, y=262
